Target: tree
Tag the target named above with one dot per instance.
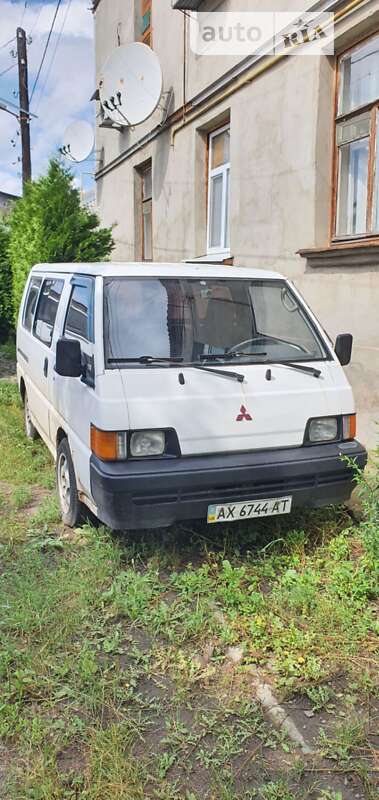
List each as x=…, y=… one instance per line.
x=6, y=305
x=49, y=225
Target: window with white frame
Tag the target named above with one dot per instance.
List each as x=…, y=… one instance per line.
x=357, y=190
x=219, y=190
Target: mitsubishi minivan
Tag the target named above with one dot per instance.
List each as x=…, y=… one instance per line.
x=168, y=392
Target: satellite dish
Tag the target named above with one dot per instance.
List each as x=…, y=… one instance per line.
x=78, y=141
x=131, y=84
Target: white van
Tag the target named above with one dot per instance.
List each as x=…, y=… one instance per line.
x=168, y=392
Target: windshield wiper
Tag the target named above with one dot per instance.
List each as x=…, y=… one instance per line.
x=145, y=360
x=226, y=356
x=235, y=376
x=301, y=367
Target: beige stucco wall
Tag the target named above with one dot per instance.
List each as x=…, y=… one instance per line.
x=281, y=159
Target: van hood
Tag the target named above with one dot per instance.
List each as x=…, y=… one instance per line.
x=213, y=414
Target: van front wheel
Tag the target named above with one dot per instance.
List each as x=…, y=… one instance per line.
x=66, y=485
x=30, y=429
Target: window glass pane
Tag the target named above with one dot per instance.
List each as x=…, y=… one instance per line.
x=359, y=76
x=227, y=206
x=147, y=222
x=195, y=317
x=375, y=220
x=47, y=310
x=147, y=189
x=352, y=188
x=220, y=145
x=77, y=320
x=215, y=211
x=356, y=128
x=31, y=301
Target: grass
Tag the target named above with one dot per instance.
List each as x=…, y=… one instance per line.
x=8, y=350
x=116, y=676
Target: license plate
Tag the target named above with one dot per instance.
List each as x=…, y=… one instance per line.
x=231, y=512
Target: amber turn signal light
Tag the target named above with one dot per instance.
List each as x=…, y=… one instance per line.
x=108, y=445
x=349, y=427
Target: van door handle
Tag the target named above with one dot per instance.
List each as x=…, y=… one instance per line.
x=45, y=367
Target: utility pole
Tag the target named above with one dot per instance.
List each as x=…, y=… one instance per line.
x=24, y=105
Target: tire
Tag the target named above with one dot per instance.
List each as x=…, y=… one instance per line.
x=71, y=508
x=30, y=430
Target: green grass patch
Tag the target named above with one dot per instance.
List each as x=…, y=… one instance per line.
x=117, y=678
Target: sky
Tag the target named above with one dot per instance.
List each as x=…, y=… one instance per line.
x=63, y=91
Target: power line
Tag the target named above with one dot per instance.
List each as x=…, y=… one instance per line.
x=54, y=53
x=23, y=13
x=12, y=66
x=46, y=48
x=8, y=42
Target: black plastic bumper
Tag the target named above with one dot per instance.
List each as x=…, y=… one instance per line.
x=157, y=493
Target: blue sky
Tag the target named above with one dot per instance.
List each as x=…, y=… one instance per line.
x=66, y=83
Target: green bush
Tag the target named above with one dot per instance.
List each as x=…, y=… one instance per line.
x=49, y=225
x=6, y=305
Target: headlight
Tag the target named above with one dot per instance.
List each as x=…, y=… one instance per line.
x=324, y=429
x=147, y=443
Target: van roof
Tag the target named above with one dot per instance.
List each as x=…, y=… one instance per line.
x=151, y=269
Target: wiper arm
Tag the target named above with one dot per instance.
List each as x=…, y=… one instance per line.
x=145, y=360
x=301, y=367
x=226, y=356
x=235, y=376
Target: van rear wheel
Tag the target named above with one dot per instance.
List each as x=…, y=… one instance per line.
x=30, y=429
x=66, y=485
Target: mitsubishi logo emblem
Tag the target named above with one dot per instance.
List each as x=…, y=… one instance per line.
x=244, y=414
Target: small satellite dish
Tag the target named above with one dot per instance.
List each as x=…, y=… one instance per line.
x=78, y=141
x=131, y=84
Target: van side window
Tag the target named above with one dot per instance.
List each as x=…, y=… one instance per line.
x=79, y=313
x=47, y=310
x=31, y=302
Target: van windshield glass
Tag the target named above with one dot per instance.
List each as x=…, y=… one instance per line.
x=200, y=320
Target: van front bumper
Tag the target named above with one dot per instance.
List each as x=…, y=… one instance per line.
x=154, y=493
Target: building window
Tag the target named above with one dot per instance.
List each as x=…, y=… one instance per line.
x=146, y=30
x=147, y=212
x=219, y=190
x=357, y=206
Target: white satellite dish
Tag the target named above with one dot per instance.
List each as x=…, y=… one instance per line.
x=78, y=141
x=131, y=84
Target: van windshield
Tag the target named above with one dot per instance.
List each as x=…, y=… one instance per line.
x=200, y=320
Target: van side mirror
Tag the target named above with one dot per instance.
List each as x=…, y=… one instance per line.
x=68, y=360
x=343, y=348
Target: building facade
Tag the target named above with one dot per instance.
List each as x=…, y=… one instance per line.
x=256, y=161
x=6, y=201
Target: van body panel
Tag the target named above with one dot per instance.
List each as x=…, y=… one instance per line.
x=205, y=411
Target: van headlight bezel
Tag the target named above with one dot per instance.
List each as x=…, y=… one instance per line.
x=329, y=429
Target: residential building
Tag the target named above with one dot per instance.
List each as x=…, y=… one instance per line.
x=262, y=162
x=6, y=201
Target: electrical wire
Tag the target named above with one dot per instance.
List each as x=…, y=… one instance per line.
x=12, y=66
x=54, y=54
x=45, y=49
x=23, y=13
x=8, y=42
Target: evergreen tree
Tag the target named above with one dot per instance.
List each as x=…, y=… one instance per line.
x=49, y=225
x=6, y=306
